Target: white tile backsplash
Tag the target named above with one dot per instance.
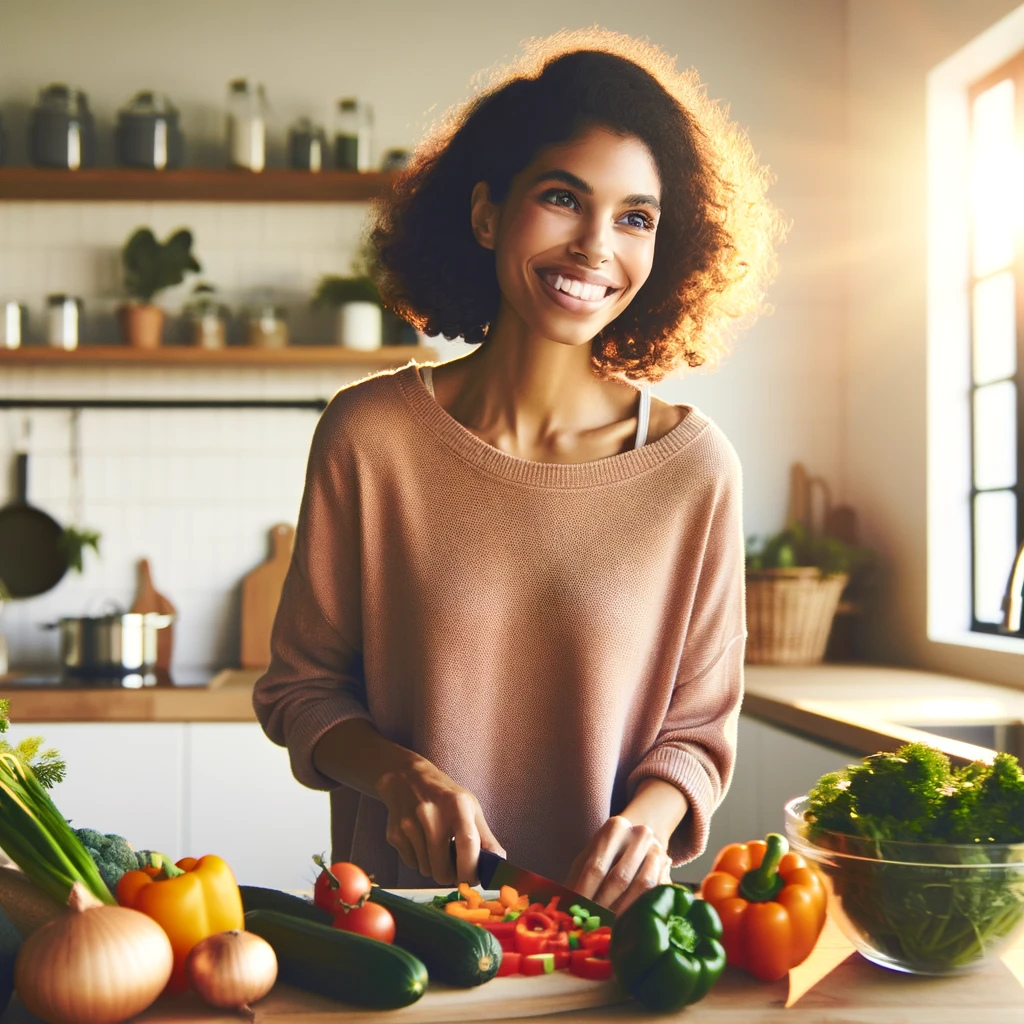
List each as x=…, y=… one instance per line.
x=194, y=491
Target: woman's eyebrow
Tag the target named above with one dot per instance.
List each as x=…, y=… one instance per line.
x=568, y=178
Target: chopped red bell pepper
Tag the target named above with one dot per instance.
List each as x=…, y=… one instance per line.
x=561, y=959
x=533, y=929
x=537, y=963
x=510, y=964
x=503, y=931
x=584, y=964
x=558, y=943
x=597, y=942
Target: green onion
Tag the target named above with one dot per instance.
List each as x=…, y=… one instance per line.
x=34, y=834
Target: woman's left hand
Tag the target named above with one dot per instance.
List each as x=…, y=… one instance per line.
x=619, y=864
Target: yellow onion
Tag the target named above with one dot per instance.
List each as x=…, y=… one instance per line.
x=95, y=964
x=232, y=969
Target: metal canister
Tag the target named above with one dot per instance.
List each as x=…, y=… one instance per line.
x=110, y=644
x=63, y=320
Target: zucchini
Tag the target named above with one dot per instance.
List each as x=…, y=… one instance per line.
x=255, y=897
x=338, y=964
x=455, y=952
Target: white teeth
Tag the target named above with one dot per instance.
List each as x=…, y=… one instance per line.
x=577, y=289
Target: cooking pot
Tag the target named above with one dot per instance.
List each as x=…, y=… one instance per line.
x=113, y=644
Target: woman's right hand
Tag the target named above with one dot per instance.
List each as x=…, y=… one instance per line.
x=425, y=809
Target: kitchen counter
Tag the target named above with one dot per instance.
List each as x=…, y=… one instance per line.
x=854, y=707
x=834, y=986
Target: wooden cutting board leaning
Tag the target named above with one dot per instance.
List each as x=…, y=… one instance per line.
x=261, y=594
x=149, y=599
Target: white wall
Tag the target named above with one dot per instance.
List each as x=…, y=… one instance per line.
x=891, y=48
x=781, y=66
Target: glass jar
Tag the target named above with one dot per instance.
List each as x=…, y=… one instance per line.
x=307, y=146
x=353, y=131
x=247, y=125
x=206, y=318
x=148, y=134
x=13, y=318
x=62, y=132
x=63, y=319
x=266, y=326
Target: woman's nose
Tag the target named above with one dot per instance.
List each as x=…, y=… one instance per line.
x=594, y=244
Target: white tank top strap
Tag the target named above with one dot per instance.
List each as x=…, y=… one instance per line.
x=643, y=416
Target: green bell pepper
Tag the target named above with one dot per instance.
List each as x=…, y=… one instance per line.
x=666, y=948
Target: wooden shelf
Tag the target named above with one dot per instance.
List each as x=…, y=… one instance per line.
x=216, y=184
x=233, y=355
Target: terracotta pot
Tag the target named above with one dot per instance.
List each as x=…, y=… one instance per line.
x=142, y=324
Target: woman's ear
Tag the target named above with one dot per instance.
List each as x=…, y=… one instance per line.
x=484, y=215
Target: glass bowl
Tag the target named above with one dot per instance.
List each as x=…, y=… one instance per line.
x=922, y=908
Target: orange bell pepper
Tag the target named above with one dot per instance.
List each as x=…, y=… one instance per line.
x=772, y=906
x=190, y=901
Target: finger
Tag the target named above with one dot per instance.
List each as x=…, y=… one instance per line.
x=604, y=849
x=646, y=878
x=405, y=849
x=413, y=832
x=467, y=853
x=439, y=865
x=623, y=871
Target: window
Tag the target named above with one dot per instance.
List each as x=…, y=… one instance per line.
x=996, y=284
x=975, y=320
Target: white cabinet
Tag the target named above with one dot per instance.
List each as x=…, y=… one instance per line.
x=188, y=789
x=245, y=805
x=123, y=777
x=772, y=766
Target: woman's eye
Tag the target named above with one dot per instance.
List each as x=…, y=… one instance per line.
x=555, y=197
x=645, y=222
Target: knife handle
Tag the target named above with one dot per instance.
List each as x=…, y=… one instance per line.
x=487, y=864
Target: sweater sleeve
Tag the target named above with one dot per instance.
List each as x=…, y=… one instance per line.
x=695, y=749
x=315, y=677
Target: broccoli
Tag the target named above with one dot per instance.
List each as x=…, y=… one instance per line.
x=113, y=854
x=988, y=805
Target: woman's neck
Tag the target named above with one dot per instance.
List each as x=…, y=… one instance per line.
x=536, y=398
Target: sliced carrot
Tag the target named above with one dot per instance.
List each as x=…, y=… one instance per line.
x=494, y=906
x=471, y=896
x=522, y=903
x=508, y=896
x=458, y=908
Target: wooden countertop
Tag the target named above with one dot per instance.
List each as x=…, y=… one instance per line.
x=834, y=986
x=856, y=707
x=227, y=697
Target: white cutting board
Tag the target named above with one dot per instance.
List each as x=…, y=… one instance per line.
x=512, y=996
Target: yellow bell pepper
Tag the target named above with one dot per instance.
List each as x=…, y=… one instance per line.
x=190, y=901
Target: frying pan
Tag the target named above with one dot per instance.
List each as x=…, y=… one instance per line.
x=31, y=558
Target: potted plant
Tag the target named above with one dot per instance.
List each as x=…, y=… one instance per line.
x=358, y=305
x=150, y=267
x=794, y=582
x=206, y=315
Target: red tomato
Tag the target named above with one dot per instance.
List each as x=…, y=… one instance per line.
x=353, y=885
x=371, y=920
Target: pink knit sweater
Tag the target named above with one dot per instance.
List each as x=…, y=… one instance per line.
x=547, y=634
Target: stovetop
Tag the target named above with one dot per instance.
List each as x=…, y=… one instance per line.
x=51, y=677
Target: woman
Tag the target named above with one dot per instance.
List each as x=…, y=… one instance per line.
x=514, y=615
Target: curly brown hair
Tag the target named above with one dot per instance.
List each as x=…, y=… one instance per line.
x=715, y=250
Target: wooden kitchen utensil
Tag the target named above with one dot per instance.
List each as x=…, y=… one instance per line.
x=149, y=599
x=261, y=594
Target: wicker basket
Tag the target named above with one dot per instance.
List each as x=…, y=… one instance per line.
x=789, y=615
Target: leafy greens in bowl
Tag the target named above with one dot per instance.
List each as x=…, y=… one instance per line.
x=924, y=863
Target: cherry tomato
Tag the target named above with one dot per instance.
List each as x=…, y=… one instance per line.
x=371, y=920
x=353, y=885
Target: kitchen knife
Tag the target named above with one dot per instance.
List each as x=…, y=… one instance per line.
x=495, y=871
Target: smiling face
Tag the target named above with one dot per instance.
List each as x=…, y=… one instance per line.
x=574, y=238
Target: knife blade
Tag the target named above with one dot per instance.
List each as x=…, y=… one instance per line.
x=495, y=871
